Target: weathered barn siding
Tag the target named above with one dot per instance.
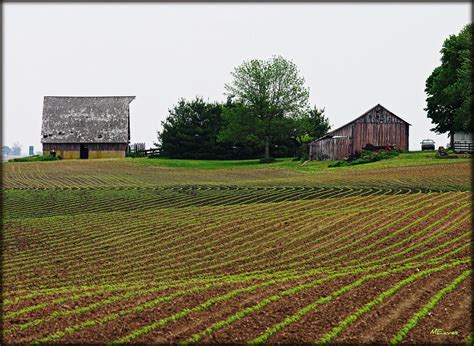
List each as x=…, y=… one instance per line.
x=333, y=148
x=378, y=126
x=96, y=150
x=100, y=125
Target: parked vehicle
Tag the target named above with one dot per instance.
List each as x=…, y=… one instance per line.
x=427, y=144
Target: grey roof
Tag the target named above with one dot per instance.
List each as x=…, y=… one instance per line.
x=103, y=119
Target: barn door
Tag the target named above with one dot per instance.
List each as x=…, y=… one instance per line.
x=84, y=152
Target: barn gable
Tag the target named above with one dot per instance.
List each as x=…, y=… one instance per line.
x=376, y=115
x=86, y=119
x=380, y=115
x=377, y=126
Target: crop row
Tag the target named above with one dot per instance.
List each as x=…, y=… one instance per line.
x=116, y=174
x=289, y=226
x=392, y=263
x=139, y=270
x=253, y=259
x=138, y=225
x=126, y=237
x=22, y=204
x=308, y=308
x=417, y=316
x=146, y=306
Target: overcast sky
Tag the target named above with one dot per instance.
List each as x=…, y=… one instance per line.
x=352, y=56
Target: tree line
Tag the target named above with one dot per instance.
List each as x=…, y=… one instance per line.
x=267, y=114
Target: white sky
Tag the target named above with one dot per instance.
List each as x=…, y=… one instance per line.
x=352, y=56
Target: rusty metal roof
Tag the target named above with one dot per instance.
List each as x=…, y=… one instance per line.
x=86, y=119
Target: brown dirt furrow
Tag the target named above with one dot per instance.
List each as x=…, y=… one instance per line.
x=59, y=323
x=215, y=254
x=310, y=234
x=318, y=322
x=270, y=258
x=397, y=254
x=256, y=323
x=452, y=314
x=311, y=327
x=39, y=299
x=107, y=263
x=445, y=232
x=438, y=242
x=191, y=324
x=53, y=307
x=438, y=253
x=124, y=325
x=452, y=227
x=341, y=256
x=389, y=231
x=385, y=320
x=390, y=263
x=370, y=231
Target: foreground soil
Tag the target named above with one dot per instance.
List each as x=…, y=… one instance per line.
x=111, y=251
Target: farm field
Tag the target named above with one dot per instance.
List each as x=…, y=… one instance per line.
x=175, y=251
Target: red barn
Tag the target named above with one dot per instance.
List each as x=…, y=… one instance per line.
x=378, y=126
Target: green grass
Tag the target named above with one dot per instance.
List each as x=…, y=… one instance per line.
x=205, y=164
x=414, y=158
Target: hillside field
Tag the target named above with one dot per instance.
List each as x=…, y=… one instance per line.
x=182, y=251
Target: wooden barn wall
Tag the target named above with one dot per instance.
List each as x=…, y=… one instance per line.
x=96, y=150
x=344, y=131
x=330, y=149
x=377, y=127
x=379, y=134
x=60, y=146
x=333, y=148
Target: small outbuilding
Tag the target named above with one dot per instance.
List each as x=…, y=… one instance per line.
x=86, y=127
x=463, y=142
x=378, y=126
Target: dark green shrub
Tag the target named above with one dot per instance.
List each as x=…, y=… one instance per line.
x=269, y=160
x=304, y=157
x=35, y=158
x=339, y=164
x=135, y=154
x=367, y=156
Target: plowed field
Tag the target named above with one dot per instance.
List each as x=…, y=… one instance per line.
x=116, y=251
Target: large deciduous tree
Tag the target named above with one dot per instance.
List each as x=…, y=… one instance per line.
x=268, y=93
x=449, y=86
